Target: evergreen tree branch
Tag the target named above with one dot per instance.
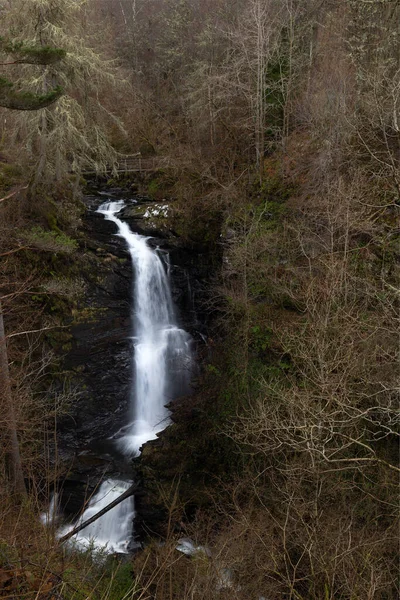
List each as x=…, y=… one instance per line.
x=20, y=100
x=32, y=54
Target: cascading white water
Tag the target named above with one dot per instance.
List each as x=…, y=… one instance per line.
x=111, y=532
x=162, y=364
x=162, y=354
x=49, y=517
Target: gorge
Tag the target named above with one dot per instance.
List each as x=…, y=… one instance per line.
x=161, y=367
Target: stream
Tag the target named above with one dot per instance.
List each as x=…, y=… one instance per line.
x=161, y=367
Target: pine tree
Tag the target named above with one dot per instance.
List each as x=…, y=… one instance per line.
x=68, y=135
x=15, y=99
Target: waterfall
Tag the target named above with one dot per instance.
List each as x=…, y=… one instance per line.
x=161, y=365
x=49, y=517
x=162, y=351
x=112, y=531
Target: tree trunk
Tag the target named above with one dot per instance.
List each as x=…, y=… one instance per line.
x=13, y=458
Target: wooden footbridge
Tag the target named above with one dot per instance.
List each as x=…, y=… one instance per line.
x=134, y=163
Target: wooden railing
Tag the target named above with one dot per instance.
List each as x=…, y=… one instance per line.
x=135, y=164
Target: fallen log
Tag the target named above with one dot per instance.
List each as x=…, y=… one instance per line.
x=129, y=492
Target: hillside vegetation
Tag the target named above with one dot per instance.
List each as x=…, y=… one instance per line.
x=280, y=120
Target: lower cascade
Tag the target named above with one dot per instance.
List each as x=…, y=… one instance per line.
x=162, y=364
x=110, y=532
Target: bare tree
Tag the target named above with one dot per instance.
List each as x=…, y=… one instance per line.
x=14, y=458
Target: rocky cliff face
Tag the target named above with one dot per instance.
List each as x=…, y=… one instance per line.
x=100, y=358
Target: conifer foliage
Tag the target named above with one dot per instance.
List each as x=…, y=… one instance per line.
x=36, y=55
x=53, y=58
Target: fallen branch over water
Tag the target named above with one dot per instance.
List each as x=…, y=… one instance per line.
x=129, y=492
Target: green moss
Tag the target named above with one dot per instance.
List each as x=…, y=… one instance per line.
x=87, y=314
x=52, y=222
x=10, y=175
x=58, y=338
x=50, y=241
x=274, y=188
x=153, y=187
x=119, y=578
x=5, y=83
x=92, y=572
x=260, y=337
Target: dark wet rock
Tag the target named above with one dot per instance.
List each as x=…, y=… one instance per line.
x=149, y=218
x=100, y=359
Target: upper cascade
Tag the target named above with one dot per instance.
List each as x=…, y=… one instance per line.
x=162, y=357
